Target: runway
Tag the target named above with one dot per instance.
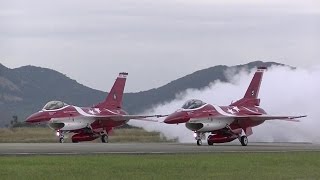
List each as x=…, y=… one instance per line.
x=147, y=148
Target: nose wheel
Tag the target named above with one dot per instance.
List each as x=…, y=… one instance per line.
x=199, y=142
x=61, y=137
x=199, y=136
x=61, y=140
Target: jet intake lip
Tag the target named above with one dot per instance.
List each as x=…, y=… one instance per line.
x=177, y=117
x=56, y=126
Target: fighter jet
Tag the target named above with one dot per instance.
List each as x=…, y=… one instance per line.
x=226, y=123
x=88, y=123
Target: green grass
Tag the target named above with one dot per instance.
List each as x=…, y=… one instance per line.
x=299, y=165
x=46, y=135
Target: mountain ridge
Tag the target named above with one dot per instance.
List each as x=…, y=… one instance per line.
x=26, y=89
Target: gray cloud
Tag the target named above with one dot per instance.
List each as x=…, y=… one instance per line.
x=155, y=41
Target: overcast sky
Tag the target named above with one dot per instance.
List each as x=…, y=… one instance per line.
x=155, y=41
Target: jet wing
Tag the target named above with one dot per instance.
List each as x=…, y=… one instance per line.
x=128, y=117
x=268, y=117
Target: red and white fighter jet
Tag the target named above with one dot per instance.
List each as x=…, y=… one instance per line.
x=88, y=123
x=226, y=123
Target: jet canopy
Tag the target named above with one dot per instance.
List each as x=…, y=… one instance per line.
x=193, y=104
x=52, y=105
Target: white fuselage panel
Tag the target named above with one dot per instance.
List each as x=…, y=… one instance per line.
x=70, y=123
x=208, y=124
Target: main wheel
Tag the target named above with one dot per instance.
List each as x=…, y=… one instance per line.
x=61, y=140
x=104, y=138
x=244, y=140
x=210, y=143
x=199, y=142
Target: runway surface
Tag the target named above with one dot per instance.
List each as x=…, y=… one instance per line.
x=146, y=148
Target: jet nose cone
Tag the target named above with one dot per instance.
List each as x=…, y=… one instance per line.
x=177, y=117
x=38, y=117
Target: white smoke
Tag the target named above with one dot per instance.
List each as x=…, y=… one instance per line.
x=284, y=91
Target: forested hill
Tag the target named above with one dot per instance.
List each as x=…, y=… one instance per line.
x=26, y=89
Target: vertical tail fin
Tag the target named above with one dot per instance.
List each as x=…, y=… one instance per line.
x=251, y=96
x=114, y=98
x=254, y=87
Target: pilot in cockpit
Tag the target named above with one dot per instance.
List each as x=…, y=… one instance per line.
x=52, y=105
x=193, y=104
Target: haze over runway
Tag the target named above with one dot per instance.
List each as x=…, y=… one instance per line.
x=93, y=41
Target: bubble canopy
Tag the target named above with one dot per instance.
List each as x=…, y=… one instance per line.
x=52, y=105
x=193, y=104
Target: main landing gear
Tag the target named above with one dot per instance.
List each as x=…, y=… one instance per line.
x=104, y=138
x=199, y=136
x=210, y=143
x=243, y=140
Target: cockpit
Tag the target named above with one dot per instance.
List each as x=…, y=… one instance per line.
x=52, y=105
x=193, y=104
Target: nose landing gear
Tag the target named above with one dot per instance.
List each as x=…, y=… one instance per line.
x=199, y=142
x=199, y=136
x=61, y=136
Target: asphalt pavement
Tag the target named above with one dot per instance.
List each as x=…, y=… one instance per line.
x=147, y=148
